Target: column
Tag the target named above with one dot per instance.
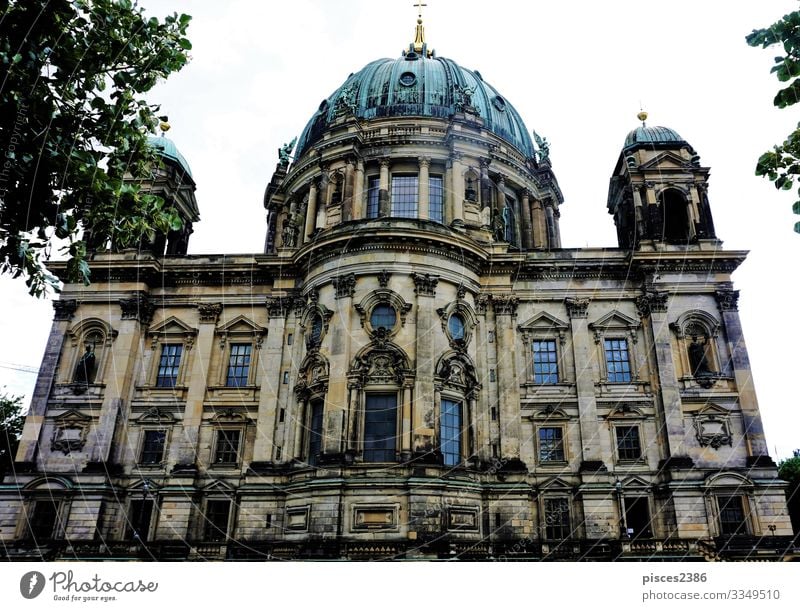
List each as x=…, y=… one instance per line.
x=458, y=190
x=641, y=226
x=137, y=312
x=28, y=443
x=527, y=226
x=584, y=382
x=405, y=423
x=347, y=190
x=728, y=301
x=654, y=306
x=424, y=188
x=336, y=400
x=500, y=193
x=487, y=190
x=384, y=203
x=311, y=211
x=424, y=409
x=505, y=312
x=358, y=191
x=271, y=379
x=539, y=224
x=551, y=224
x=185, y=449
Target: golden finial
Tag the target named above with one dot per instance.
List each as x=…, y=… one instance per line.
x=419, y=37
x=164, y=126
x=642, y=116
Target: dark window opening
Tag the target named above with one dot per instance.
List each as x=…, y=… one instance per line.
x=227, y=450
x=676, y=219
x=732, y=519
x=436, y=198
x=450, y=432
x=628, y=443
x=216, y=520
x=139, y=516
x=316, y=329
x=456, y=327
x=637, y=517
x=551, y=444
x=383, y=315
x=380, y=428
x=168, y=365
x=373, y=197
x=556, y=519
x=315, y=432
x=153, y=447
x=44, y=520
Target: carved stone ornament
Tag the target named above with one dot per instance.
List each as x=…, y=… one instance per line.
x=713, y=430
x=138, y=308
x=70, y=433
x=345, y=285
x=64, y=309
x=655, y=301
x=383, y=278
x=312, y=376
x=577, y=308
x=279, y=306
x=728, y=300
x=425, y=284
x=482, y=302
x=505, y=305
x=209, y=312
x=383, y=364
x=457, y=372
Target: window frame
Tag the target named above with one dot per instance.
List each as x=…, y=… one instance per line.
x=387, y=392
x=394, y=197
x=219, y=438
x=176, y=368
x=248, y=377
x=129, y=526
x=373, y=188
x=618, y=440
x=555, y=351
x=614, y=351
x=312, y=404
x=441, y=204
x=57, y=530
x=143, y=441
x=746, y=525
x=207, y=526
x=566, y=529
x=461, y=431
x=560, y=442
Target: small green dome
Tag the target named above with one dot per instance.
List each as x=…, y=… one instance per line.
x=415, y=85
x=167, y=148
x=654, y=137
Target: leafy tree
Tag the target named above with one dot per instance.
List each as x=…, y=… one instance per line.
x=73, y=123
x=11, y=420
x=782, y=164
x=789, y=470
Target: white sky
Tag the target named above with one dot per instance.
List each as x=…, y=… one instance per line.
x=575, y=70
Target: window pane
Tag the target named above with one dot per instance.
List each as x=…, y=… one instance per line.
x=404, y=196
x=316, y=329
x=139, y=516
x=731, y=515
x=168, y=365
x=238, y=365
x=216, y=526
x=628, y=445
x=436, y=198
x=383, y=315
x=315, y=433
x=556, y=519
x=545, y=362
x=227, y=446
x=456, y=326
x=450, y=432
x=380, y=428
x=373, y=192
x=551, y=444
x=153, y=447
x=617, y=361
x=44, y=518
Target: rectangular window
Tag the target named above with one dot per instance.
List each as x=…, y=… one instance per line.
x=315, y=432
x=450, y=432
x=380, y=428
x=731, y=515
x=238, y=365
x=227, y=450
x=545, y=362
x=44, y=519
x=556, y=519
x=551, y=444
x=139, y=516
x=637, y=517
x=373, y=195
x=436, y=198
x=168, y=365
x=617, y=360
x=405, y=194
x=153, y=447
x=629, y=446
x=216, y=524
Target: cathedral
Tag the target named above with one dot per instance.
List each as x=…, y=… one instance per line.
x=414, y=368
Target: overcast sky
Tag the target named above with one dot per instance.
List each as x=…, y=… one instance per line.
x=575, y=70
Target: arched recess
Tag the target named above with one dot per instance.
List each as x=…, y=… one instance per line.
x=380, y=381
x=45, y=509
x=697, y=332
x=89, y=346
x=310, y=389
x=675, y=214
x=465, y=315
x=456, y=389
x=730, y=504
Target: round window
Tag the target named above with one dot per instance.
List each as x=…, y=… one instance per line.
x=456, y=326
x=407, y=79
x=316, y=329
x=499, y=103
x=383, y=315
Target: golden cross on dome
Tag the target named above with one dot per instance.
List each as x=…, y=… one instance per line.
x=419, y=35
x=419, y=6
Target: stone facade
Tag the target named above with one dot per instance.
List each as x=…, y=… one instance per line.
x=414, y=368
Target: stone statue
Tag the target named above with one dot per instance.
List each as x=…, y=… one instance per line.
x=346, y=103
x=509, y=228
x=698, y=359
x=285, y=152
x=542, y=147
x=462, y=98
x=498, y=227
x=289, y=233
x=84, y=370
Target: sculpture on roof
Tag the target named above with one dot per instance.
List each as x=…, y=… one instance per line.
x=542, y=147
x=285, y=152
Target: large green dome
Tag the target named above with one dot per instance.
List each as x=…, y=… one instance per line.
x=419, y=86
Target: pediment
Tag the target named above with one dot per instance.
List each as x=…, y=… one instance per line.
x=171, y=326
x=556, y=484
x=615, y=320
x=728, y=480
x=634, y=482
x=665, y=161
x=156, y=415
x=713, y=411
x=228, y=416
x=625, y=411
x=550, y=412
x=72, y=415
x=219, y=486
x=543, y=321
x=241, y=324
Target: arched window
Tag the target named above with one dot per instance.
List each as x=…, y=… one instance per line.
x=383, y=316
x=456, y=326
x=697, y=332
x=676, y=220
x=456, y=394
